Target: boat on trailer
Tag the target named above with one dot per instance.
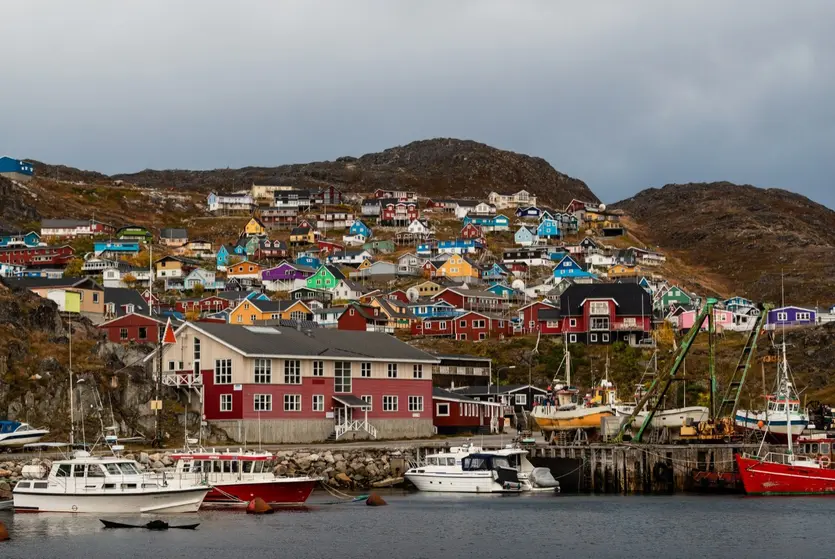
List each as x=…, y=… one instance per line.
x=235, y=477
x=17, y=434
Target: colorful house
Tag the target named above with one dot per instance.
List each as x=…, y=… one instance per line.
x=326, y=277
x=245, y=269
x=286, y=276
x=605, y=313
x=496, y=272
x=309, y=260
x=248, y=312
x=567, y=267
x=30, y=239
x=548, y=229
x=790, y=316
x=358, y=234
x=525, y=236
x=675, y=296
x=222, y=256
x=528, y=212
x=303, y=236
x=115, y=247
x=459, y=268
x=498, y=222
x=471, y=231
x=254, y=227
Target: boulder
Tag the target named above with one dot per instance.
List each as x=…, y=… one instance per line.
x=155, y=457
x=144, y=458
x=375, y=500
x=6, y=473
x=341, y=466
x=343, y=478
x=338, y=458
x=280, y=470
x=157, y=466
x=258, y=506
x=167, y=461
x=4, y=533
x=328, y=457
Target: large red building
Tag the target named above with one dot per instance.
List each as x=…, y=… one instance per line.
x=398, y=212
x=37, y=256
x=529, y=315
x=472, y=326
x=362, y=317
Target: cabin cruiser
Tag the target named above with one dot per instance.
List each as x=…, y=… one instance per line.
x=471, y=469
x=236, y=477
x=86, y=483
x=15, y=433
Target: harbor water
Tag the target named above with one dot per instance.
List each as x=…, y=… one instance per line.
x=442, y=525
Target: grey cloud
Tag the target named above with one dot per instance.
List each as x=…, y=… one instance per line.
x=624, y=95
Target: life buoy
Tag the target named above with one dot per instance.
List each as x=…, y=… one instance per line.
x=824, y=461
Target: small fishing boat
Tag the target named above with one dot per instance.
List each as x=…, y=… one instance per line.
x=471, y=469
x=16, y=434
x=152, y=525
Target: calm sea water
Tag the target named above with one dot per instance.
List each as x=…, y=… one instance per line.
x=430, y=525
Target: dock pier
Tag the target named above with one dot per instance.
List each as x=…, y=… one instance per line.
x=629, y=469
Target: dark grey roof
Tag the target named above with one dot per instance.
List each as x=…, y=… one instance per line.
x=324, y=342
x=265, y=305
x=31, y=283
x=448, y=395
x=461, y=357
x=120, y=297
x=233, y=295
x=64, y=222
x=548, y=314
x=485, y=390
x=337, y=273
x=289, y=323
x=631, y=298
x=300, y=230
x=173, y=233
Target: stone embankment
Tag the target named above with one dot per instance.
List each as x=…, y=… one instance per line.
x=355, y=468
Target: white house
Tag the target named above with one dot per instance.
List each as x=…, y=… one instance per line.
x=599, y=262
x=420, y=227
x=503, y=201
x=114, y=276
x=347, y=290
x=463, y=207
x=328, y=317
x=220, y=203
x=349, y=257
x=483, y=208
x=410, y=264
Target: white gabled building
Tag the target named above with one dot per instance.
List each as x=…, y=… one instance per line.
x=504, y=201
x=230, y=203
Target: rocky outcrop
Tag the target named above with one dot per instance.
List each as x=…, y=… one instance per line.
x=16, y=210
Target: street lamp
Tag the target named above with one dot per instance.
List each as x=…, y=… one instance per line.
x=499, y=370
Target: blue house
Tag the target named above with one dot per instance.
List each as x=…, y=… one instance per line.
x=489, y=222
x=497, y=272
x=568, y=268
x=503, y=290
x=222, y=257
x=116, y=247
x=430, y=308
x=530, y=212
x=30, y=239
x=738, y=303
x=305, y=259
x=790, y=316
x=16, y=169
x=455, y=246
x=525, y=236
x=548, y=229
x=359, y=228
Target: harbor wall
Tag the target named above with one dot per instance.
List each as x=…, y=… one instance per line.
x=306, y=430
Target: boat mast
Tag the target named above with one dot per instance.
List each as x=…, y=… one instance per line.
x=72, y=393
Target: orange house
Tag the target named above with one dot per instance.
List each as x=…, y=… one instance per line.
x=457, y=266
x=245, y=269
x=248, y=312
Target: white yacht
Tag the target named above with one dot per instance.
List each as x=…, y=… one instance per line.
x=470, y=469
x=15, y=433
x=86, y=483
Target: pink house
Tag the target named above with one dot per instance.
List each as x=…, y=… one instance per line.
x=723, y=320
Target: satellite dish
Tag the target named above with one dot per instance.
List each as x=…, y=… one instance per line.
x=412, y=294
x=602, y=207
x=518, y=285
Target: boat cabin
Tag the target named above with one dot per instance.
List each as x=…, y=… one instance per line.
x=210, y=464
x=816, y=445
x=92, y=475
x=779, y=403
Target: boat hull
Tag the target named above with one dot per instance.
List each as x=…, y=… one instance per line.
x=673, y=418
x=469, y=482
x=13, y=440
x=771, y=478
x=278, y=492
x=776, y=426
x=169, y=501
x=552, y=419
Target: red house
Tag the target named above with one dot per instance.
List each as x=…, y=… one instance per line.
x=363, y=318
x=529, y=315
x=606, y=313
x=132, y=327
x=455, y=413
x=398, y=212
x=471, y=299
x=398, y=294
x=37, y=256
x=549, y=321
x=209, y=304
x=271, y=249
x=471, y=231
x=437, y=327
x=477, y=326
x=329, y=247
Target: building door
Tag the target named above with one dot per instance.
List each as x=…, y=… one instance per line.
x=342, y=415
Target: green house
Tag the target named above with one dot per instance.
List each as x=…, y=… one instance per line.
x=134, y=233
x=326, y=277
x=380, y=246
x=674, y=297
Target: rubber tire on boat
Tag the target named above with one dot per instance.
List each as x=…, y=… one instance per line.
x=660, y=471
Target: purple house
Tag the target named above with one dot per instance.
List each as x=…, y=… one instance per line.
x=286, y=276
x=790, y=316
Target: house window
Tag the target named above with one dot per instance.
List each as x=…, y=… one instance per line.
x=264, y=402
x=442, y=410
x=318, y=402
x=223, y=371
x=390, y=403
x=803, y=316
x=318, y=368
x=417, y=371
x=572, y=338
x=240, y=318
x=196, y=349
x=365, y=370
x=462, y=323
x=392, y=370
x=293, y=402
x=369, y=400
x=252, y=318
x=292, y=371
x=225, y=402
x=572, y=322
x=462, y=336
x=593, y=338
x=342, y=376
x=599, y=323
x=123, y=333
x=143, y=333
x=95, y=297
x=415, y=403
x=171, y=366
x=263, y=371
x=604, y=338
x=521, y=399
x=782, y=316
x=599, y=307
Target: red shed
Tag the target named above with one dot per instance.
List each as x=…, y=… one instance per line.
x=133, y=327
x=361, y=317
x=529, y=315
x=476, y=326
x=455, y=413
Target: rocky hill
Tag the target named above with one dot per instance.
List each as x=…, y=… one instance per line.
x=15, y=208
x=748, y=240
x=442, y=166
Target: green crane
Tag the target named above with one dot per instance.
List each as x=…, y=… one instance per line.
x=656, y=389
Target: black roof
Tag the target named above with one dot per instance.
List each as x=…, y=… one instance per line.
x=631, y=298
x=495, y=389
x=33, y=283
x=548, y=314
x=120, y=297
x=173, y=233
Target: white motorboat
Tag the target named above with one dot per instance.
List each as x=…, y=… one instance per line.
x=89, y=484
x=15, y=433
x=673, y=418
x=470, y=469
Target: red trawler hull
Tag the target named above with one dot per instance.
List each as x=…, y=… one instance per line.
x=273, y=492
x=771, y=478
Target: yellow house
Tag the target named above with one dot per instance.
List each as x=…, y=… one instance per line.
x=429, y=288
x=365, y=264
x=395, y=311
x=624, y=271
x=255, y=227
x=248, y=312
x=457, y=266
x=303, y=236
x=245, y=269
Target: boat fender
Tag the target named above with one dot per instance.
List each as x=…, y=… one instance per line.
x=4, y=533
x=824, y=461
x=660, y=471
x=375, y=500
x=258, y=506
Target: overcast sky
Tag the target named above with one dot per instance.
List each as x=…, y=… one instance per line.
x=624, y=94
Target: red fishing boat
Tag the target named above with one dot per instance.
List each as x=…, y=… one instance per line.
x=807, y=472
x=237, y=477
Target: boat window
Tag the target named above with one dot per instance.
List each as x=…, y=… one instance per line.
x=824, y=448
x=110, y=486
x=815, y=448
x=471, y=463
x=226, y=467
x=196, y=467
x=113, y=469
x=23, y=485
x=63, y=471
x=433, y=461
x=450, y=461
x=128, y=468
x=149, y=485
x=94, y=470
x=501, y=462
x=207, y=466
x=781, y=407
x=40, y=485
x=186, y=467
x=128, y=486
x=247, y=467
x=78, y=470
